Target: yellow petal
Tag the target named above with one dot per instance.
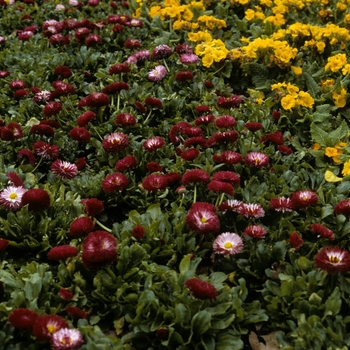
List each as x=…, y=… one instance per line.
x=330, y=177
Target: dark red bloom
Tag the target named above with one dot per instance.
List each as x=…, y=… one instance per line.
x=80, y=163
x=76, y=312
x=194, y=141
x=66, y=294
x=3, y=244
x=154, y=182
x=62, y=252
x=304, y=199
x=285, y=149
x=26, y=157
x=190, y=154
x=162, y=51
x=195, y=176
x=97, y=99
x=221, y=187
x=17, y=85
x=46, y=325
x=154, y=167
x=208, y=84
x=114, y=88
x=153, y=102
x=202, y=109
x=126, y=163
x=162, y=333
x=52, y=108
x=281, y=204
x=80, y=134
x=13, y=131
x=322, y=231
x=253, y=126
x=225, y=137
x=274, y=137
x=15, y=180
x=125, y=119
x=201, y=289
x=37, y=199
x=59, y=40
x=115, y=143
x=114, y=182
x=45, y=150
x=64, y=170
x=132, y=44
x=333, y=260
x=85, y=118
x=296, y=241
x=227, y=176
x=153, y=143
x=4, y=73
x=257, y=159
x=99, y=249
x=81, y=33
x=92, y=40
x=229, y=102
x=255, y=231
x=53, y=123
x=204, y=120
x=22, y=318
x=177, y=129
x=343, y=208
x=93, y=206
x=81, y=226
x=276, y=115
x=119, y=68
x=202, y=219
x=225, y=122
x=42, y=129
x=172, y=177
x=63, y=71
x=184, y=76
x=21, y=93
x=183, y=48
x=138, y=232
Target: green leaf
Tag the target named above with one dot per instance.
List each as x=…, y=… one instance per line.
x=201, y=322
x=311, y=84
x=333, y=303
x=279, y=251
x=319, y=136
x=228, y=340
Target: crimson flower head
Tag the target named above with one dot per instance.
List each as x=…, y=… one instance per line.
x=92, y=206
x=17, y=85
x=221, y=187
x=195, y=176
x=125, y=119
x=202, y=218
x=162, y=51
x=282, y=204
x=257, y=159
x=126, y=163
x=284, y=149
x=66, y=339
x=204, y=119
x=184, y=76
x=76, y=312
x=52, y=108
x=3, y=244
x=189, y=58
x=154, y=167
x=81, y=135
x=225, y=122
x=153, y=143
x=253, y=126
x=63, y=71
x=42, y=129
x=62, y=252
x=255, y=231
x=296, y=240
x=132, y=43
x=274, y=137
x=97, y=99
x=114, y=182
x=66, y=294
x=81, y=226
x=201, y=289
x=92, y=40
x=37, y=199
x=26, y=157
x=229, y=102
x=228, y=157
x=12, y=131
x=153, y=102
x=14, y=179
x=333, y=260
x=46, y=325
x=227, y=176
x=64, y=170
x=138, y=232
x=85, y=118
x=251, y=210
x=228, y=243
x=343, y=208
x=154, y=182
x=115, y=142
x=183, y=49
x=119, y=68
x=190, y=154
x=322, y=231
x=303, y=199
x=99, y=249
x=114, y=88
x=22, y=318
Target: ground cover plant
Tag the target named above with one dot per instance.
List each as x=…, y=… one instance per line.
x=174, y=174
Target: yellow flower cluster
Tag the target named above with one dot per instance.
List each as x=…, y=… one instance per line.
x=276, y=51
x=292, y=97
x=339, y=98
x=335, y=63
x=212, y=22
x=212, y=51
x=251, y=15
x=335, y=152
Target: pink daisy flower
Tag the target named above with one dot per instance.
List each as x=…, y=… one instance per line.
x=157, y=74
x=251, y=210
x=228, y=243
x=66, y=338
x=64, y=170
x=257, y=159
x=333, y=260
x=11, y=197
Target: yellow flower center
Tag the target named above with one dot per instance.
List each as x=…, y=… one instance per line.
x=13, y=195
x=228, y=245
x=334, y=259
x=51, y=328
x=203, y=219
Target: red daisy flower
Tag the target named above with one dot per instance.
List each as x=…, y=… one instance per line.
x=194, y=141
x=296, y=241
x=276, y=115
x=114, y=182
x=202, y=109
x=138, y=232
x=119, y=68
x=285, y=149
x=274, y=137
x=92, y=206
x=224, y=137
x=333, y=260
x=66, y=294
x=52, y=108
x=228, y=157
x=80, y=135
x=26, y=156
x=53, y=123
x=3, y=244
x=76, y=312
x=17, y=85
x=115, y=142
x=154, y=167
x=99, y=249
x=125, y=119
x=162, y=51
x=80, y=163
x=81, y=33
x=253, y=126
x=184, y=76
x=255, y=231
x=343, y=207
x=192, y=131
x=227, y=176
x=251, y=210
x=257, y=159
x=42, y=129
x=14, y=179
x=202, y=218
x=62, y=252
x=21, y=93
x=140, y=107
x=81, y=226
x=183, y=48
x=63, y=71
x=281, y=204
x=126, y=163
x=114, y=88
x=153, y=143
x=13, y=131
x=97, y=99
x=85, y=118
x=154, y=182
x=225, y=122
x=45, y=150
x=92, y=40
x=228, y=243
x=64, y=170
x=322, y=231
x=195, y=176
x=11, y=197
x=201, y=289
x=153, y=102
x=132, y=44
x=37, y=199
x=204, y=120
x=172, y=177
x=303, y=199
x=221, y=187
x=22, y=318
x=46, y=325
x=190, y=154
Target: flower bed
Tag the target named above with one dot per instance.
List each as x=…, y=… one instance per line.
x=174, y=175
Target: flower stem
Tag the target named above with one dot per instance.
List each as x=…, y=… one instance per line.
x=149, y=114
x=195, y=194
x=97, y=132
x=41, y=159
x=103, y=226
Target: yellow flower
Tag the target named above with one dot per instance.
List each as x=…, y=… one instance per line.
x=316, y=147
x=297, y=70
x=154, y=11
x=234, y=54
x=249, y=15
x=336, y=62
x=334, y=153
x=346, y=69
x=199, y=36
x=320, y=46
x=339, y=98
x=346, y=169
x=341, y=7
x=292, y=89
x=288, y=102
x=347, y=18
x=259, y=101
x=304, y=99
